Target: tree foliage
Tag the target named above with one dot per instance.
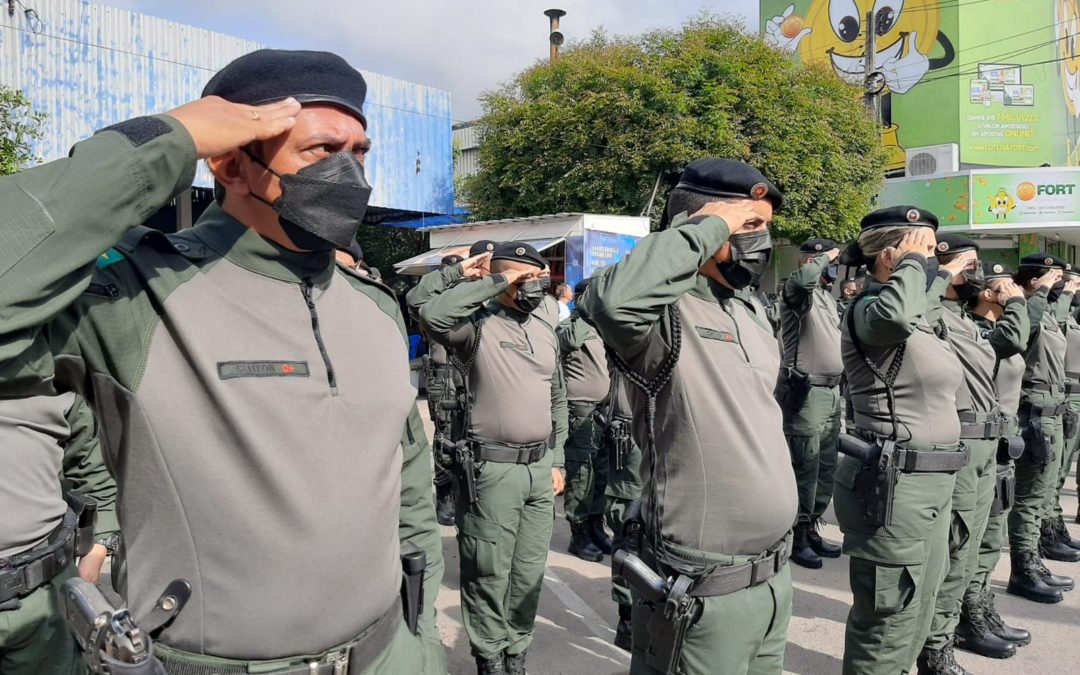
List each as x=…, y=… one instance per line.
x=595, y=130
x=20, y=126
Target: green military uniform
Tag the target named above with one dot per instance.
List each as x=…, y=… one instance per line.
x=587, y=381
x=1053, y=526
x=980, y=622
x=897, y=568
x=228, y=375
x=624, y=482
x=517, y=427
x=717, y=491
x=809, y=391
x=1040, y=417
x=48, y=446
x=981, y=426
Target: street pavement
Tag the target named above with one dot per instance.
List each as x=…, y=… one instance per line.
x=576, y=619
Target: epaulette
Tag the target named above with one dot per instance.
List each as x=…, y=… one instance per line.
x=184, y=242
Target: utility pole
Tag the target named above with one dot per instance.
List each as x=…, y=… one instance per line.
x=555, y=38
x=872, y=86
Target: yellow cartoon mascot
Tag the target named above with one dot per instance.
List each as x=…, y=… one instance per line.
x=1068, y=34
x=833, y=32
x=1001, y=204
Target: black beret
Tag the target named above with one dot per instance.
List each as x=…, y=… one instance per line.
x=899, y=216
x=818, y=246
x=269, y=75
x=449, y=260
x=995, y=270
x=581, y=286
x=482, y=246
x=947, y=244
x=1042, y=260
x=518, y=251
x=354, y=250
x=728, y=178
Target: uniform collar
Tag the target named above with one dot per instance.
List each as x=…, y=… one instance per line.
x=248, y=249
x=710, y=290
x=496, y=308
x=954, y=306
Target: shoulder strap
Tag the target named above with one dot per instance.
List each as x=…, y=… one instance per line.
x=888, y=378
x=465, y=367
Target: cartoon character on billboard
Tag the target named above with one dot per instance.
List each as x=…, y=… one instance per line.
x=1001, y=204
x=1068, y=34
x=833, y=32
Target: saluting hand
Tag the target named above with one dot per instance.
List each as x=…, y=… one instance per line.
x=960, y=263
x=739, y=216
x=518, y=277
x=218, y=126
x=1072, y=284
x=833, y=254
x=1051, y=277
x=1007, y=290
x=920, y=240
x=476, y=266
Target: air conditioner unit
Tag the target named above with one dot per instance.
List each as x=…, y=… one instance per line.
x=933, y=160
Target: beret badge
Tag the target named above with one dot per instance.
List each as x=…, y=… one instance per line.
x=520, y=250
x=1048, y=262
x=913, y=215
x=943, y=246
x=759, y=191
x=998, y=269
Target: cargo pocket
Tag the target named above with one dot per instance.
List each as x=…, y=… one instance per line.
x=895, y=586
x=479, y=545
x=802, y=449
x=959, y=530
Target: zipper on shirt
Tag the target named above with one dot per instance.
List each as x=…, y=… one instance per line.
x=738, y=333
x=331, y=379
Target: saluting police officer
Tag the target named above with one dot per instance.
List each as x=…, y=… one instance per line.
x=982, y=425
x=892, y=493
x=509, y=467
x=52, y=483
x=587, y=383
x=1056, y=542
x=229, y=365
x=809, y=392
x=719, y=496
x=443, y=384
x=981, y=629
x=1042, y=405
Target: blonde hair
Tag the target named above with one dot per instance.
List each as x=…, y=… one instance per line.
x=873, y=242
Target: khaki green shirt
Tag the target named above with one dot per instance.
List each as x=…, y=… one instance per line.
x=584, y=361
x=980, y=349
x=810, y=321
x=1046, y=350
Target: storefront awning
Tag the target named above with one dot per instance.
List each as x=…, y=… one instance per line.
x=425, y=262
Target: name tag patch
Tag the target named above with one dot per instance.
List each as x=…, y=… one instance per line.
x=228, y=370
x=506, y=344
x=712, y=334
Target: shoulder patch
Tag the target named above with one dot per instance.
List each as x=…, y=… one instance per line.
x=108, y=258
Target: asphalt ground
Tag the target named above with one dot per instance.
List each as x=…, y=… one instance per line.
x=576, y=620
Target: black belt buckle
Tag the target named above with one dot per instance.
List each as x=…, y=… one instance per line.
x=761, y=570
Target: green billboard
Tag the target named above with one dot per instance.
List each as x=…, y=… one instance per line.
x=988, y=76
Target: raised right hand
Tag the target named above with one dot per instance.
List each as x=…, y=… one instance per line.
x=1007, y=289
x=218, y=126
x=476, y=266
x=518, y=277
x=920, y=240
x=833, y=254
x=1051, y=277
x=739, y=216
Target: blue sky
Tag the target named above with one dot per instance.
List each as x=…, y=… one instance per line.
x=463, y=46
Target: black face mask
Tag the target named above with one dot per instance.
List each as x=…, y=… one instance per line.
x=1055, y=291
x=750, y=255
x=322, y=205
x=974, y=283
x=531, y=293
x=830, y=273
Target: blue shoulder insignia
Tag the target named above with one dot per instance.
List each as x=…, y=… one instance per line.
x=108, y=258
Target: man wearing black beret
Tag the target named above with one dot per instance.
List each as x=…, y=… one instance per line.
x=982, y=425
x=1042, y=409
x=515, y=428
x=718, y=496
x=808, y=391
x=229, y=365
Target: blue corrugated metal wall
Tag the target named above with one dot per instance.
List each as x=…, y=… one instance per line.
x=89, y=66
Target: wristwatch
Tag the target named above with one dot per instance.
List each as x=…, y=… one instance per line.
x=110, y=541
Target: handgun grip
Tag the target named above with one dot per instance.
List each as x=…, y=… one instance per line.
x=639, y=576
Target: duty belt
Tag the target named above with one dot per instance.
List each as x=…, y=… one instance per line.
x=820, y=380
x=1044, y=410
x=581, y=409
x=1045, y=388
x=729, y=579
x=982, y=426
x=24, y=573
x=1075, y=377
x=509, y=453
x=939, y=459
x=1072, y=387
x=355, y=656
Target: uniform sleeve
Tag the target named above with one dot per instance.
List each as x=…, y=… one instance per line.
x=891, y=316
x=571, y=335
x=801, y=284
x=58, y=219
x=1061, y=307
x=430, y=285
x=1037, y=305
x=84, y=467
x=626, y=303
x=446, y=317
x=418, y=526
x=1010, y=333
x=560, y=414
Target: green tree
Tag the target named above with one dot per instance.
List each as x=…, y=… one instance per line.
x=20, y=126
x=596, y=129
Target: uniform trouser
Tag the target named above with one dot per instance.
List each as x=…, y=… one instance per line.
x=895, y=571
x=503, y=541
x=622, y=489
x=1065, y=463
x=973, y=497
x=34, y=640
x=442, y=475
x=1035, y=482
x=994, y=536
x=742, y=633
x=586, y=471
x=813, y=432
